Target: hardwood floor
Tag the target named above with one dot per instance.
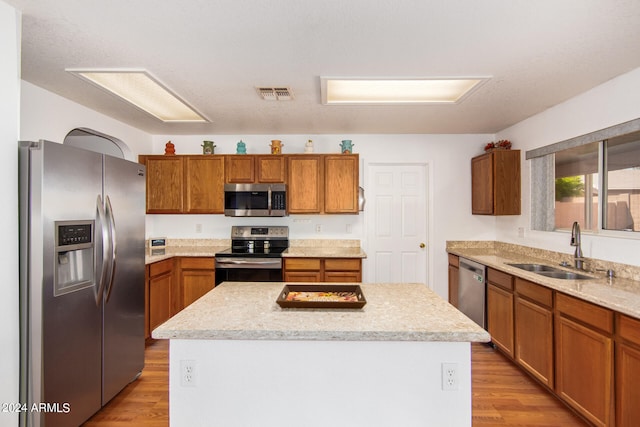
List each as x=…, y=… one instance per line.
x=502, y=395
x=144, y=402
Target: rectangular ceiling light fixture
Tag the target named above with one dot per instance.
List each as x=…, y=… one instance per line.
x=398, y=91
x=139, y=88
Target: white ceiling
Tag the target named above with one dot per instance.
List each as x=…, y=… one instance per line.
x=213, y=53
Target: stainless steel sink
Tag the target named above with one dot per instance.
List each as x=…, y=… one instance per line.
x=536, y=268
x=567, y=275
x=553, y=272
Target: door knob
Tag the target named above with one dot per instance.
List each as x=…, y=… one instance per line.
x=422, y=245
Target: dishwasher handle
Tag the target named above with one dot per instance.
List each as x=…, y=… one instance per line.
x=474, y=267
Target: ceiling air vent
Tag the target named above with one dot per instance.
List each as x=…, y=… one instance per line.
x=275, y=93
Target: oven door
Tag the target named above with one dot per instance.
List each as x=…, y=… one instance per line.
x=245, y=269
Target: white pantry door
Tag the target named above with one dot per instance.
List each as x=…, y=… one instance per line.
x=397, y=223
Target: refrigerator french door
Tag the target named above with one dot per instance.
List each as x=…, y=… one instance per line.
x=81, y=281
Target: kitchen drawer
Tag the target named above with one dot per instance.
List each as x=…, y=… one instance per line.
x=501, y=279
x=628, y=328
x=534, y=292
x=302, y=264
x=454, y=260
x=196, y=263
x=160, y=267
x=591, y=314
x=342, y=264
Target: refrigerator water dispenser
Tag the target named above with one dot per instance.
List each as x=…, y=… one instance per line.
x=74, y=256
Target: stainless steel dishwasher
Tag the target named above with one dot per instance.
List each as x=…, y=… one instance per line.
x=472, y=291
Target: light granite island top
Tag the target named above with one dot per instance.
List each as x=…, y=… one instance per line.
x=393, y=312
x=239, y=359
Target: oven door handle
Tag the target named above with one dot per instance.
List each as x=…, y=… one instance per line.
x=243, y=262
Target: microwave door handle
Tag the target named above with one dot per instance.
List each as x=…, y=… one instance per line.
x=269, y=200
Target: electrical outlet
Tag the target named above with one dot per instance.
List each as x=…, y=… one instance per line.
x=198, y=228
x=318, y=228
x=187, y=373
x=449, y=376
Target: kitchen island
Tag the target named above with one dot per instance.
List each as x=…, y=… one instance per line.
x=254, y=363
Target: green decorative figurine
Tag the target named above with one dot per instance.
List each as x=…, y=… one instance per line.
x=242, y=148
x=208, y=147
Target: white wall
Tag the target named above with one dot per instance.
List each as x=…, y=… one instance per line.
x=9, y=124
x=365, y=383
x=448, y=157
x=45, y=115
x=611, y=103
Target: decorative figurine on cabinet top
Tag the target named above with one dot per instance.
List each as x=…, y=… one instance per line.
x=308, y=147
x=346, y=146
x=242, y=148
x=276, y=146
x=208, y=147
x=169, y=149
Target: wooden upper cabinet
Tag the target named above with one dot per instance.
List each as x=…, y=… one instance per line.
x=271, y=168
x=495, y=183
x=341, y=183
x=304, y=183
x=249, y=169
x=204, y=178
x=194, y=184
x=165, y=177
x=184, y=184
x=240, y=169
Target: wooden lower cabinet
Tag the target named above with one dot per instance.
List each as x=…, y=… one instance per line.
x=587, y=355
x=627, y=367
x=584, y=358
x=159, y=288
x=454, y=274
x=500, y=319
x=534, y=330
x=197, y=277
x=323, y=270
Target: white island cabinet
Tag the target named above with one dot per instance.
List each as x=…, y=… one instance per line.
x=238, y=359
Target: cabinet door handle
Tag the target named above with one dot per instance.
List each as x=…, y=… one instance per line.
x=422, y=245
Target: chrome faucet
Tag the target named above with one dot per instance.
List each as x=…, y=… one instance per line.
x=578, y=260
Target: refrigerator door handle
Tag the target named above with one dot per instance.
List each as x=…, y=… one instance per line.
x=112, y=233
x=102, y=268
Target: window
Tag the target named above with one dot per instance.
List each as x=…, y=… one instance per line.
x=576, y=187
x=622, y=183
x=593, y=179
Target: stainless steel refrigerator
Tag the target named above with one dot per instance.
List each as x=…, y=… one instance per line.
x=81, y=281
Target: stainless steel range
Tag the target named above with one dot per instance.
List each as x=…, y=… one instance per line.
x=255, y=255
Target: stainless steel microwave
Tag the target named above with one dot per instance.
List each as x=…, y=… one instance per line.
x=255, y=199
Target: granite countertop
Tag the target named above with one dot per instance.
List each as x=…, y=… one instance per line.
x=324, y=252
x=394, y=312
x=156, y=255
x=311, y=248
x=621, y=294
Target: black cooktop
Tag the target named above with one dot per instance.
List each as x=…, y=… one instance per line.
x=263, y=242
